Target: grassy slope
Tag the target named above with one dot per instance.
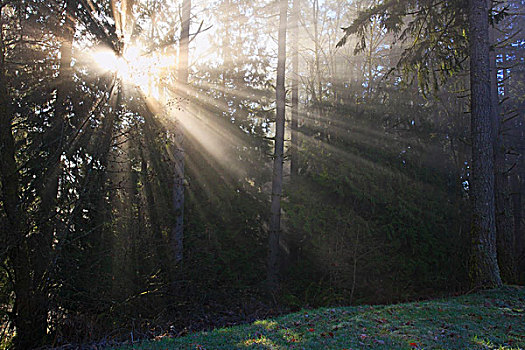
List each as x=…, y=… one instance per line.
x=492, y=319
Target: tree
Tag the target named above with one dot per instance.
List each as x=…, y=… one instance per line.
x=177, y=234
x=30, y=172
x=294, y=25
x=484, y=270
x=502, y=190
x=278, y=156
x=424, y=56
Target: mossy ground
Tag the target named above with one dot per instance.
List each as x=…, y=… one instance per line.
x=492, y=319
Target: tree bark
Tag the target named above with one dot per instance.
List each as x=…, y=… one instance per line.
x=518, y=189
x=484, y=271
x=177, y=235
x=277, y=177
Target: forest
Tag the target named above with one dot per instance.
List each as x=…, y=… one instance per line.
x=172, y=166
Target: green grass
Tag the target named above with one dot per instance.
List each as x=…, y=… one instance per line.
x=493, y=319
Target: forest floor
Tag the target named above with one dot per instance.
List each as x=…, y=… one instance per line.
x=492, y=319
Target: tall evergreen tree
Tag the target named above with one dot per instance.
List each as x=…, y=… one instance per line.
x=278, y=156
x=484, y=270
x=294, y=25
x=502, y=190
x=177, y=234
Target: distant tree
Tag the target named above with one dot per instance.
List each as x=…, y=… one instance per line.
x=502, y=190
x=278, y=156
x=294, y=26
x=177, y=234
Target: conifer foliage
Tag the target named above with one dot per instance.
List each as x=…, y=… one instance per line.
x=154, y=182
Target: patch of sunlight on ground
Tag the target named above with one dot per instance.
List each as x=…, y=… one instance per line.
x=490, y=345
x=266, y=324
x=260, y=341
x=290, y=336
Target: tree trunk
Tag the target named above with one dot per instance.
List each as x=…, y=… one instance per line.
x=318, y=97
x=315, y=18
x=177, y=234
x=277, y=177
x=294, y=162
x=502, y=191
x=484, y=271
x=518, y=189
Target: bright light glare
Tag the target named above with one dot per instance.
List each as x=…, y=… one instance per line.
x=106, y=60
x=134, y=67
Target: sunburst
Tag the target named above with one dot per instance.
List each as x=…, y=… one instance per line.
x=135, y=67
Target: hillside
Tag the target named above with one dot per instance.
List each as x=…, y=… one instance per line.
x=493, y=319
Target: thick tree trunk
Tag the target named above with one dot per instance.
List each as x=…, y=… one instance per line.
x=484, y=271
x=277, y=177
x=177, y=234
x=294, y=24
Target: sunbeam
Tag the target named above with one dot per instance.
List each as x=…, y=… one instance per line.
x=170, y=166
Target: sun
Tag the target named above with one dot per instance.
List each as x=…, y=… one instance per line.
x=135, y=66
x=131, y=67
x=105, y=59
